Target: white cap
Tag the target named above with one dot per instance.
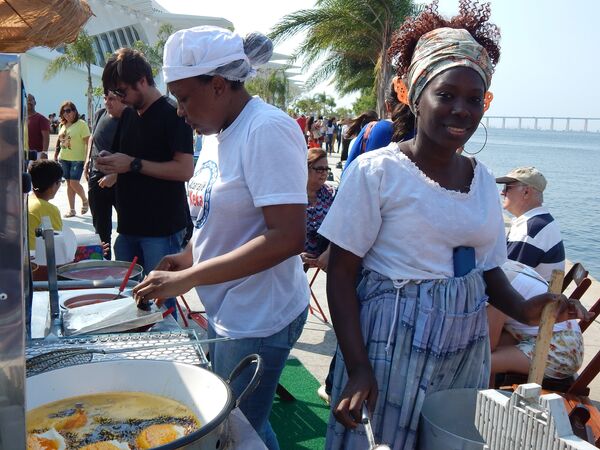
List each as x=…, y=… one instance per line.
x=208, y=50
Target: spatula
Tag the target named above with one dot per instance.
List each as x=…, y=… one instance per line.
x=126, y=279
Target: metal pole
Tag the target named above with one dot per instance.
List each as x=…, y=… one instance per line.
x=14, y=256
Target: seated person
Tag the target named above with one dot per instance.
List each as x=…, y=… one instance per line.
x=320, y=198
x=46, y=176
x=512, y=343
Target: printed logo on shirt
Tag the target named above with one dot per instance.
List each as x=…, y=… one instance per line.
x=199, y=190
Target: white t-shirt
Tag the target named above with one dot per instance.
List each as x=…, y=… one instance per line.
x=527, y=282
x=259, y=160
x=405, y=225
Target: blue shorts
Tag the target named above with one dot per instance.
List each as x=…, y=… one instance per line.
x=72, y=170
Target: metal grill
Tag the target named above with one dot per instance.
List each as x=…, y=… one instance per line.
x=189, y=354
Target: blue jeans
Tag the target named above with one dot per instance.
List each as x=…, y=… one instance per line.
x=149, y=250
x=72, y=170
x=274, y=351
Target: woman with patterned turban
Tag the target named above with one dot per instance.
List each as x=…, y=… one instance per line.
x=430, y=239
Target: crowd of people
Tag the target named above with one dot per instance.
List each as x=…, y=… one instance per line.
x=424, y=289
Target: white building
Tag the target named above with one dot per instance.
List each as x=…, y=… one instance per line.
x=115, y=24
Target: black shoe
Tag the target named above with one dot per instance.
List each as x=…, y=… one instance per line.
x=338, y=165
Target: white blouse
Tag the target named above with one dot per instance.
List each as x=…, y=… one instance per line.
x=405, y=225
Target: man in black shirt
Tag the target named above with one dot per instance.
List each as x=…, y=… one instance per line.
x=154, y=159
x=101, y=189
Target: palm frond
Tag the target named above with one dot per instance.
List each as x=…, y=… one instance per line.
x=345, y=40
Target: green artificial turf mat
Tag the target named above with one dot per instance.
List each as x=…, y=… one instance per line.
x=302, y=423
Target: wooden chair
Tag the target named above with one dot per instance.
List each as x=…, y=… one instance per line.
x=584, y=324
x=579, y=276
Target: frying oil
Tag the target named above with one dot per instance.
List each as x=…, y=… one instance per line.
x=116, y=416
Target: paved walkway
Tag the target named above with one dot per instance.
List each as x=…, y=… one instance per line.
x=317, y=343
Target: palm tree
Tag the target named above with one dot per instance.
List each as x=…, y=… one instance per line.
x=349, y=41
x=154, y=53
x=272, y=86
x=79, y=53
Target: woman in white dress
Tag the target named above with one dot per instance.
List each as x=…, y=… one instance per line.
x=426, y=225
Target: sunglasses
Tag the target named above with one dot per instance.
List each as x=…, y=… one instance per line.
x=321, y=170
x=119, y=93
x=67, y=110
x=507, y=187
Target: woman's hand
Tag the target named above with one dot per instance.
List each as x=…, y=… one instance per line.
x=160, y=285
x=309, y=259
x=361, y=386
x=323, y=260
x=571, y=308
x=175, y=262
x=568, y=309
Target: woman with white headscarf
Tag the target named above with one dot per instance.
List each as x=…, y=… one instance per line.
x=247, y=200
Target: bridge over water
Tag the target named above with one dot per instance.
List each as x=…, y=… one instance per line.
x=585, y=124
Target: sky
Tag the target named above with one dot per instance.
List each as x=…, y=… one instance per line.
x=549, y=63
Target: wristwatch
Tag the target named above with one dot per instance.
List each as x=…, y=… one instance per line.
x=136, y=165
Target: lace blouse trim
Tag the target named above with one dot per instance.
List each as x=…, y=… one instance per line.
x=418, y=173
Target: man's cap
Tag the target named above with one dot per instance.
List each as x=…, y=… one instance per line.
x=526, y=175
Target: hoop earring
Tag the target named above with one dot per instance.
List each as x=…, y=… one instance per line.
x=484, y=142
x=415, y=129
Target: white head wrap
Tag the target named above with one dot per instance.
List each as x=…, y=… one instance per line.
x=209, y=50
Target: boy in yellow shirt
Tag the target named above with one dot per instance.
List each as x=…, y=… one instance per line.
x=46, y=176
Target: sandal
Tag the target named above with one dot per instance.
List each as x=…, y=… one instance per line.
x=85, y=207
x=71, y=213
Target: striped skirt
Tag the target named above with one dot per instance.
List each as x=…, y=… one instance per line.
x=421, y=337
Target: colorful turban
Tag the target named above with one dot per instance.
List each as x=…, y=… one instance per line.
x=440, y=50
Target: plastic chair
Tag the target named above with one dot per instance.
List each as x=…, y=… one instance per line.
x=314, y=297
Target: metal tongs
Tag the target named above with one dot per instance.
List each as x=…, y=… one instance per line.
x=366, y=420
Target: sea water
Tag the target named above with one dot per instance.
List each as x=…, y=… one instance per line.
x=570, y=161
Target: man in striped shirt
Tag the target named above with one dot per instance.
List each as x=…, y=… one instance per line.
x=534, y=237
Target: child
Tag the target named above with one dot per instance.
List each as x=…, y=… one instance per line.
x=46, y=176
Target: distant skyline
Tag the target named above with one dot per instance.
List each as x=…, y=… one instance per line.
x=549, y=60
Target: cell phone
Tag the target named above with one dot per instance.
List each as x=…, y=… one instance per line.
x=464, y=260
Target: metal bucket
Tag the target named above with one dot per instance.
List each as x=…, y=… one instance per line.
x=448, y=421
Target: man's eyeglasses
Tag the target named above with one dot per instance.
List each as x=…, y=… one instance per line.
x=506, y=187
x=67, y=110
x=321, y=170
x=121, y=93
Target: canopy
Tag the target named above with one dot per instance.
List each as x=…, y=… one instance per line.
x=49, y=23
